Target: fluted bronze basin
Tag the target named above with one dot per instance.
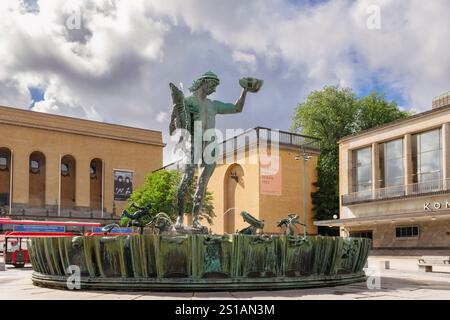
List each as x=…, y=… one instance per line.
x=198, y=262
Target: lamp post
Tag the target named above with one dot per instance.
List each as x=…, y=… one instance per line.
x=305, y=157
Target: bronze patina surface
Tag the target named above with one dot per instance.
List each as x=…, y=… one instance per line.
x=195, y=262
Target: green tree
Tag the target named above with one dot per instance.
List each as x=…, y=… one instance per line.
x=331, y=114
x=374, y=110
x=159, y=190
x=327, y=114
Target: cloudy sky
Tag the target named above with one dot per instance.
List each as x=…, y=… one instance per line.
x=112, y=60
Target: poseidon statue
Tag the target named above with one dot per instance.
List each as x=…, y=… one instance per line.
x=196, y=114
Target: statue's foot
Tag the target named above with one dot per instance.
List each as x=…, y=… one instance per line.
x=179, y=223
x=198, y=226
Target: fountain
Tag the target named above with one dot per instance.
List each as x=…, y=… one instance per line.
x=182, y=258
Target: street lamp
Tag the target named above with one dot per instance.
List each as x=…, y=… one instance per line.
x=306, y=156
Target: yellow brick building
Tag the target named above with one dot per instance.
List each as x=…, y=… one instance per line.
x=61, y=167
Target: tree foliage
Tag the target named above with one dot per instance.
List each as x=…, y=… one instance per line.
x=159, y=190
x=331, y=114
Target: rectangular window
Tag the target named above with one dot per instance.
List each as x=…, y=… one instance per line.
x=427, y=162
x=407, y=232
x=391, y=164
x=362, y=169
x=361, y=234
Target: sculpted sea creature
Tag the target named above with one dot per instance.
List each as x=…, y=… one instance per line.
x=108, y=228
x=289, y=223
x=254, y=223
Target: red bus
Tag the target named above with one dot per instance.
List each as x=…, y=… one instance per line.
x=18, y=232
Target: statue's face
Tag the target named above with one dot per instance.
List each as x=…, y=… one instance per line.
x=209, y=87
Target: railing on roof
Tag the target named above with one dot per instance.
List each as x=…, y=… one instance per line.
x=255, y=136
x=409, y=190
x=442, y=100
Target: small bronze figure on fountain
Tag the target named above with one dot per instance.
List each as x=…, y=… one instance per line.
x=254, y=223
x=289, y=223
x=160, y=221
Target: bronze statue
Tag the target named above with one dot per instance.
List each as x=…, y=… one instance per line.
x=137, y=218
x=108, y=228
x=160, y=221
x=289, y=223
x=195, y=115
x=255, y=224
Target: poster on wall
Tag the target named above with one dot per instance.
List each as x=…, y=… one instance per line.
x=123, y=184
x=270, y=173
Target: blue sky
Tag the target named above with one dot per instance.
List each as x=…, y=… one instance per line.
x=114, y=59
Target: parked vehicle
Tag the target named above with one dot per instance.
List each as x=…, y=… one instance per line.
x=16, y=241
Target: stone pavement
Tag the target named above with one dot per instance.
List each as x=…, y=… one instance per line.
x=401, y=281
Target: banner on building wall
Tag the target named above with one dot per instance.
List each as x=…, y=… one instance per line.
x=270, y=173
x=123, y=184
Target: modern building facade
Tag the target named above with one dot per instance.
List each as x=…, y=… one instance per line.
x=67, y=168
x=395, y=183
x=262, y=171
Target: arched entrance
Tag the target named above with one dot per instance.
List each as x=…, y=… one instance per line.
x=234, y=193
x=37, y=180
x=68, y=172
x=5, y=178
x=96, y=190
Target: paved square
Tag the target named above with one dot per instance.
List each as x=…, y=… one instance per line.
x=401, y=281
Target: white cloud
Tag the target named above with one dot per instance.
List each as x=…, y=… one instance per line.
x=247, y=59
x=410, y=49
x=117, y=67
x=162, y=117
x=60, y=100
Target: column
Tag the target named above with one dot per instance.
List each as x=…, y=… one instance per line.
x=108, y=194
x=407, y=162
x=20, y=183
x=375, y=170
x=347, y=186
x=52, y=179
x=446, y=155
x=82, y=182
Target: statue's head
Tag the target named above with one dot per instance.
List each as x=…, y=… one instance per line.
x=208, y=81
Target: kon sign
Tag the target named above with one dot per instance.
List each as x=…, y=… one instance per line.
x=429, y=206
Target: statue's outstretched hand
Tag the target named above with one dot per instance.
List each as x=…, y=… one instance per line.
x=251, y=84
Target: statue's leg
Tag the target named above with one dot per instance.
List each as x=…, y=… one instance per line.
x=199, y=195
x=182, y=191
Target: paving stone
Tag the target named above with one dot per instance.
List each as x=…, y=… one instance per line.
x=212, y=295
x=402, y=281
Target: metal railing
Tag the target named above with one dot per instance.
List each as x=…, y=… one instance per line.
x=288, y=138
x=414, y=189
x=252, y=137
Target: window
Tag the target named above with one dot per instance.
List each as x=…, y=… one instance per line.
x=34, y=166
x=362, y=169
x=361, y=234
x=93, y=171
x=3, y=163
x=391, y=164
x=427, y=163
x=64, y=169
x=407, y=232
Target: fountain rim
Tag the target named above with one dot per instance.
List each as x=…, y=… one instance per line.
x=202, y=284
